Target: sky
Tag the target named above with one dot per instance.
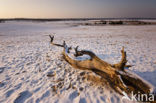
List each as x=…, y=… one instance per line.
x=77, y=8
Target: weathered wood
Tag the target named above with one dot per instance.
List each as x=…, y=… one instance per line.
x=119, y=79
x=123, y=61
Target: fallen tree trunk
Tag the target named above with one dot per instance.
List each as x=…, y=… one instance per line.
x=118, y=78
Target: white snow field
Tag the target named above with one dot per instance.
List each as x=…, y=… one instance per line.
x=33, y=71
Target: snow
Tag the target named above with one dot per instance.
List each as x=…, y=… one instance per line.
x=26, y=58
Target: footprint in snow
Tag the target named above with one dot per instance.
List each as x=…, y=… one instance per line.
x=2, y=69
x=82, y=100
x=73, y=95
x=22, y=97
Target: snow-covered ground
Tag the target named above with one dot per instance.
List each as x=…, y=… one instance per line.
x=32, y=70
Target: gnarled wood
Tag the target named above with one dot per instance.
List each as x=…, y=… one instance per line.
x=119, y=79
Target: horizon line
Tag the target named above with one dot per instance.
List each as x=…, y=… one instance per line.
x=87, y=18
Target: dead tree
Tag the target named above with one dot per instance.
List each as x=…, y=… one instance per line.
x=117, y=77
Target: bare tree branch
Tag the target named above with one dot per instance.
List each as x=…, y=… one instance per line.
x=118, y=78
x=51, y=41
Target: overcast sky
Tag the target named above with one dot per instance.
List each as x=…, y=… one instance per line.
x=77, y=8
